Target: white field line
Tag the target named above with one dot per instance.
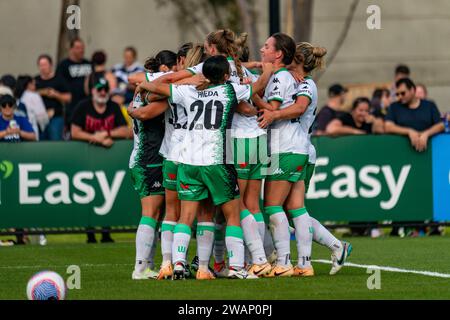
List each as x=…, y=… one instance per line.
x=89, y=265
x=390, y=269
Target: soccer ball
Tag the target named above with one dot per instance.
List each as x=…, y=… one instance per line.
x=46, y=285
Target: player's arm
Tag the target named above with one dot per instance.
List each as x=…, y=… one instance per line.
x=149, y=111
x=337, y=128
x=246, y=109
x=136, y=78
x=261, y=104
x=262, y=81
x=159, y=88
x=174, y=77
x=292, y=112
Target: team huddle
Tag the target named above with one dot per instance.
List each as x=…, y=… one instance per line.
x=223, y=145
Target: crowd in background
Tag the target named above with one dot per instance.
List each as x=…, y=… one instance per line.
x=81, y=99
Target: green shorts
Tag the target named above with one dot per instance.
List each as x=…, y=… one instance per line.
x=248, y=162
x=147, y=181
x=291, y=167
x=195, y=183
x=308, y=175
x=170, y=172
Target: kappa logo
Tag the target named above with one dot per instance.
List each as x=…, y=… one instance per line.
x=275, y=80
x=278, y=171
x=157, y=184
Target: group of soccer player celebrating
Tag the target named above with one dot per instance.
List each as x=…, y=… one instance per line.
x=228, y=151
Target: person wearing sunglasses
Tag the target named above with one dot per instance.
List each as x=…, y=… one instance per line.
x=419, y=119
x=13, y=128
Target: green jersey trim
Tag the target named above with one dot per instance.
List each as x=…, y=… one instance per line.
x=146, y=77
x=171, y=95
x=308, y=77
x=154, y=165
x=281, y=69
x=230, y=59
x=191, y=71
x=305, y=95
x=276, y=99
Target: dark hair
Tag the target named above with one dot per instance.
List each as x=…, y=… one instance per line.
x=286, y=45
x=402, y=68
x=407, y=82
x=164, y=57
x=360, y=100
x=379, y=92
x=74, y=40
x=98, y=58
x=132, y=50
x=182, y=52
x=7, y=99
x=215, y=68
x=45, y=56
x=244, y=54
x=9, y=81
x=22, y=83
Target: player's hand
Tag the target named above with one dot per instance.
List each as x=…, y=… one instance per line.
x=297, y=76
x=267, y=67
x=414, y=138
x=266, y=118
x=246, y=81
x=130, y=109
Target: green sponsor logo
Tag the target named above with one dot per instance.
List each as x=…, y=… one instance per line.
x=6, y=169
x=181, y=249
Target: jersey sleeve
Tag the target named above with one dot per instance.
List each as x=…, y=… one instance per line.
x=277, y=87
x=196, y=69
x=305, y=90
x=178, y=93
x=243, y=92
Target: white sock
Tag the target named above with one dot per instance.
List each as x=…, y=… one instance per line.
x=151, y=259
x=261, y=224
x=219, y=243
x=145, y=237
x=167, y=240
x=268, y=241
x=324, y=237
x=253, y=240
x=234, y=239
x=303, y=236
x=181, y=238
x=205, y=242
x=280, y=233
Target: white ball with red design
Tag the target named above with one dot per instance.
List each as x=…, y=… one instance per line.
x=46, y=285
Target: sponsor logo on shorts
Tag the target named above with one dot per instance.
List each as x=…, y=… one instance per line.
x=184, y=186
x=243, y=165
x=299, y=168
x=172, y=176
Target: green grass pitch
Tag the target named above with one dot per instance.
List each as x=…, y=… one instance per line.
x=106, y=272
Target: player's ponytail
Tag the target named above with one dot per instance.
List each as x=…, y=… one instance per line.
x=311, y=57
x=195, y=56
x=163, y=58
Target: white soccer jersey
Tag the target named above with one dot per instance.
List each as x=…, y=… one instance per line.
x=209, y=113
x=282, y=87
x=242, y=126
x=307, y=88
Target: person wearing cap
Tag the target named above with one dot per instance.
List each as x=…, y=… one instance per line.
x=13, y=128
x=97, y=119
x=336, y=99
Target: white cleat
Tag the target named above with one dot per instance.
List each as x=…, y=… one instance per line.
x=144, y=275
x=338, y=257
x=240, y=274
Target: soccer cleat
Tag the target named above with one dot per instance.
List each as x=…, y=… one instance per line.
x=166, y=272
x=272, y=257
x=240, y=274
x=220, y=270
x=194, y=264
x=259, y=270
x=280, y=271
x=144, y=275
x=303, y=272
x=338, y=257
x=179, y=271
x=204, y=275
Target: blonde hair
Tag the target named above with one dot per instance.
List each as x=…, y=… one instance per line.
x=195, y=55
x=226, y=43
x=311, y=57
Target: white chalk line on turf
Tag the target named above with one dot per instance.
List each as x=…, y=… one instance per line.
x=101, y=265
x=389, y=269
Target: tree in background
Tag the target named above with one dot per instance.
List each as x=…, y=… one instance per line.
x=65, y=34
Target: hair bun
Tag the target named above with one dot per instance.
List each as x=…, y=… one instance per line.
x=228, y=35
x=242, y=39
x=319, y=52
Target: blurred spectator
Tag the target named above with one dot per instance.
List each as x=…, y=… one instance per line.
x=98, y=120
x=36, y=111
x=413, y=117
x=8, y=86
x=401, y=71
x=98, y=61
x=421, y=91
x=74, y=69
x=336, y=99
x=13, y=128
x=358, y=121
x=381, y=100
x=55, y=94
x=129, y=66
